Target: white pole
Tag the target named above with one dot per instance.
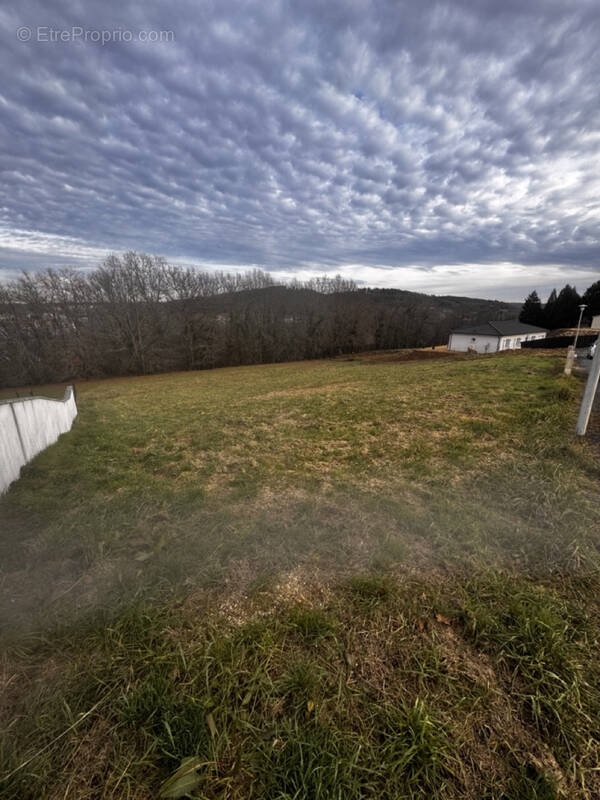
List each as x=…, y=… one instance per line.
x=570, y=359
x=581, y=307
x=589, y=394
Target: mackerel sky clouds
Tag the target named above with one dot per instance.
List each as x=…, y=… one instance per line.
x=448, y=147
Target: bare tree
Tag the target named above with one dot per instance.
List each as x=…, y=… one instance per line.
x=136, y=314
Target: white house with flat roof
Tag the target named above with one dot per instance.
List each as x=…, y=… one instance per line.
x=490, y=337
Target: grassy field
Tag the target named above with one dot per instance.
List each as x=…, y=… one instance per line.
x=340, y=579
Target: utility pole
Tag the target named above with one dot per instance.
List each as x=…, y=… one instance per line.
x=589, y=394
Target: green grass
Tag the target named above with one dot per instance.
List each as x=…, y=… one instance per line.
x=545, y=642
x=342, y=579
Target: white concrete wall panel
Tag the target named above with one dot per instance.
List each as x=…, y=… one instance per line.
x=28, y=426
x=11, y=453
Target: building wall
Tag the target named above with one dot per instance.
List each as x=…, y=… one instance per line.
x=461, y=342
x=29, y=425
x=514, y=342
x=596, y=323
x=481, y=344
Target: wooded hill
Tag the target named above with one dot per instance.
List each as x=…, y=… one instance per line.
x=138, y=315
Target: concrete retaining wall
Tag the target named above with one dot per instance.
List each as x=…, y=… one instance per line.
x=27, y=426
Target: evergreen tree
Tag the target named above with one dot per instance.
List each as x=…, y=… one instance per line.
x=532, y=312
x=567, y=307
x=592, y=299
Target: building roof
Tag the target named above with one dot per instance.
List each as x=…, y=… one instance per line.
x=505, y=327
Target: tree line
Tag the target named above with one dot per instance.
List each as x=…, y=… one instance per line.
x=136, y=314
x=561, y=310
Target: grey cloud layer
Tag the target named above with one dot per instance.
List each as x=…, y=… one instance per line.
x=308, y=134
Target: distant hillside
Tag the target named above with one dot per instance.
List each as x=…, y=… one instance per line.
x=375, y=318
x=457, y=310
x=138, y=315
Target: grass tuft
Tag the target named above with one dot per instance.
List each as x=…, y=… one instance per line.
x=311, y=624
x=414, y=749
x=369, y=589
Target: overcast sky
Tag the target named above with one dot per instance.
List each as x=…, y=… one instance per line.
x=449, y=147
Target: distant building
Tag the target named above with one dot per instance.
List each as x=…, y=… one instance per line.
x=595, y=323
x=489, y=337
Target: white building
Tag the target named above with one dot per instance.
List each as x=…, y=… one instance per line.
x=595, y=323
x=489, y=337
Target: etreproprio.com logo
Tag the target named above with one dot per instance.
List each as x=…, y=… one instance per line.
x=102, y=36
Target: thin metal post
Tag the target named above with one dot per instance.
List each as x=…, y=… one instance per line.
x=581, y=307
x=589, y=394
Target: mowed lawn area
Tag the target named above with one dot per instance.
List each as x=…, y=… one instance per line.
x=357, y=578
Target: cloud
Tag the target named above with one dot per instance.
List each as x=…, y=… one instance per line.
x=376, y=136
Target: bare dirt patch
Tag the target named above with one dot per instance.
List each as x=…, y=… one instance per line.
x=383, y=356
